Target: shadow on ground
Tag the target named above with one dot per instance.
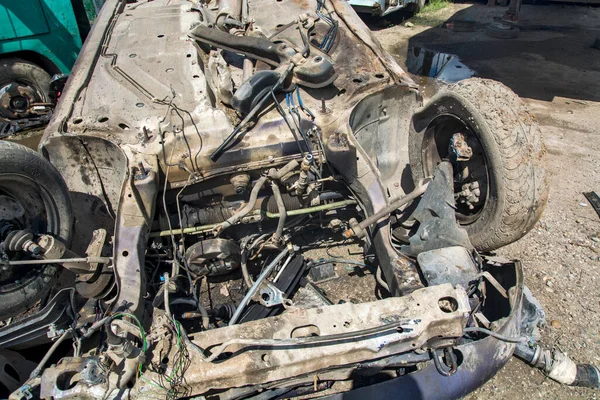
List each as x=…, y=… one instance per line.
x=552, y=57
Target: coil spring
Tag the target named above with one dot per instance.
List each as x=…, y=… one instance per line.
x=16, y=240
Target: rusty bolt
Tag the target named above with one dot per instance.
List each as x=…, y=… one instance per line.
x=32, y=247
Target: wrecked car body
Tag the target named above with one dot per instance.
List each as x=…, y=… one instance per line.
x=381, y=8
x=199, y=141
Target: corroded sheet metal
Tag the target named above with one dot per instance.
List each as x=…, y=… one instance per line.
x=422, y=323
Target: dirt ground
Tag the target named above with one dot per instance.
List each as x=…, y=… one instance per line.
x=553, y=66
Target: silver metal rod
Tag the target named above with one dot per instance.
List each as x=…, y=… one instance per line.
x=254, y=288
x=89, y=260
x=285, y=264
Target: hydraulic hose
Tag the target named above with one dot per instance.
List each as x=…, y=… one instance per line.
x=380, y=280
x=244, y=267
x=277, y=174
x=166, y=295
x=292, y=213
x=246, y=209
x=201, y=310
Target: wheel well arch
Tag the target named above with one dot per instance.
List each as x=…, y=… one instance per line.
x=36, y=58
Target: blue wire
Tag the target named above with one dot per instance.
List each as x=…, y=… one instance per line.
x=287, y=100
x=298, y=96
x=306, y=110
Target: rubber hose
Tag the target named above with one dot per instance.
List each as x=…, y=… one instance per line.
x=282, y=212
x=587, y=376
x=277, y=174
x=38, y=370
x=245, y=273
x=201, y=309
x=380, y=280
x=247, y=208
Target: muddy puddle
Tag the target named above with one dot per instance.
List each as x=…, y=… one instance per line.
x=432, y=69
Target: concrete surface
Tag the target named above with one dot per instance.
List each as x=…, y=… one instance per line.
x=554, y=68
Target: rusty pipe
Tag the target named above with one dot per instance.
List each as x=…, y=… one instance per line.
x=359, y=229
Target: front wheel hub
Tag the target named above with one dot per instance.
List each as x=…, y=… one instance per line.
x=16, y=100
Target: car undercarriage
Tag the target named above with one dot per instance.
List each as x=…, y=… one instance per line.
x=209, y=157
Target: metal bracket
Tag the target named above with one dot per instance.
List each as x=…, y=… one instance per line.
x=270, y=296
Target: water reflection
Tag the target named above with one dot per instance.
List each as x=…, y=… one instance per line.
x=441, y=66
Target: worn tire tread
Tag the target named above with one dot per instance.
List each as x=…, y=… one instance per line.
x=514, y=146
x=18, y=159
x=518, y=138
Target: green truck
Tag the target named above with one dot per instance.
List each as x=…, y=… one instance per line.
x=38, y=39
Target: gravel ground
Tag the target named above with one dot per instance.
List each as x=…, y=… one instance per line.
x=554, y=68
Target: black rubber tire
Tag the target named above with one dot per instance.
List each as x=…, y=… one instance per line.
x=16, y=69
x=24, y=172
x=510, y=138
x=416, y=6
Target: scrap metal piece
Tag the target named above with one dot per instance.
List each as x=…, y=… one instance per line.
x=219, y=77
x=310, y=296
x=99, y=282
x=436, y=214
x=88, y=371
x=287, y=282
x=322, y=272
x=452, y=265
x=213, y=257
x=251, y=291
x=594, y=200
x=270, y=295
x=494, y=282
x=316, y=71
x=135, y=214
x=19, y=367
x=460, y=147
